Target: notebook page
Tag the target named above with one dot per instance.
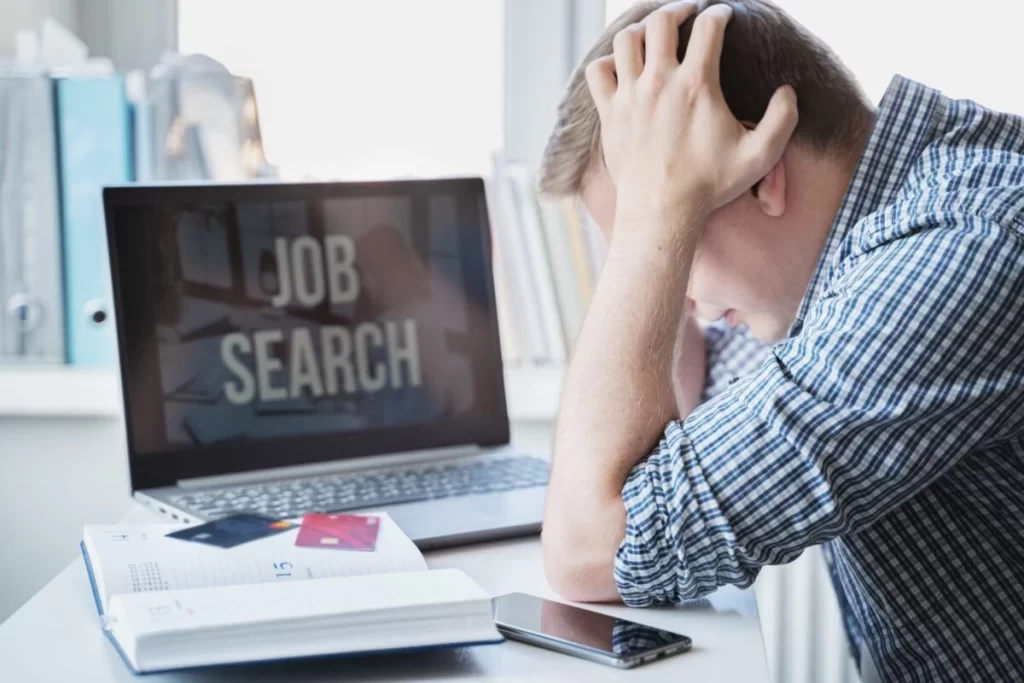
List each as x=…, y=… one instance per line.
x=138, y=559
x=270, y=621
x=439, y=591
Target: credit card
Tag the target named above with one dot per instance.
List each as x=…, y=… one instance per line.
x=234, y=530
x=338, y=531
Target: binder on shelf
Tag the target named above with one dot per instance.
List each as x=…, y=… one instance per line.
x=143, y=136
x=94, y=143
x=31, y=296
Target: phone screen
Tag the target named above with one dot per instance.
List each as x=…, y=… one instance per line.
x=608, y=635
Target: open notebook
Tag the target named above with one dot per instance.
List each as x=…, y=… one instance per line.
x=172, y=604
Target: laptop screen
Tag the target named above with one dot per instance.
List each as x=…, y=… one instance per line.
x=270, y=325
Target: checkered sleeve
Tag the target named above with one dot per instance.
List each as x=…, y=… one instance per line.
x=732, y=353
x=904, y=366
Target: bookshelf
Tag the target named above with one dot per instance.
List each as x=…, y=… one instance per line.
x=62, y=391
x=58, y=391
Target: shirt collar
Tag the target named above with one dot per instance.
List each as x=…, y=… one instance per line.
x=903, y=127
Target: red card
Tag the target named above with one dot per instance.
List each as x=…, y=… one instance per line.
x=338, y=531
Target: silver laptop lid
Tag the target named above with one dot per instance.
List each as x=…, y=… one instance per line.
x=265, y=325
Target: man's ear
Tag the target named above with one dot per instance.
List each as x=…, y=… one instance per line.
x=770, y=193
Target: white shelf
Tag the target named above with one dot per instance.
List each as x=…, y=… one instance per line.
x=58, y=391
x=532, y=392
x=62, y=391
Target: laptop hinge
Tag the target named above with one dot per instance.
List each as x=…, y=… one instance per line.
x=317, y=469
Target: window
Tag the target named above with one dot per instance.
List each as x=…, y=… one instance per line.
x=350, y=89
x=971, y=54
x=613, y=8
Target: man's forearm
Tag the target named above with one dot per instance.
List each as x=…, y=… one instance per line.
x=616, y=399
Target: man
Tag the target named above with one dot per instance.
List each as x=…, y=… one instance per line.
x=881, y=252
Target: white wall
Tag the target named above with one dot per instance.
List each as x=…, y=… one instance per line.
x=19, y=14
x=134, y=33
x=967, y=50
x=55, y=475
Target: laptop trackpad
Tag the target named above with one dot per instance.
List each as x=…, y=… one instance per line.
x=463, y=519
x=439, y=518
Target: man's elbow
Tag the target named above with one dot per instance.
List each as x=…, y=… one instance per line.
x=584, y=523
x=577, y=570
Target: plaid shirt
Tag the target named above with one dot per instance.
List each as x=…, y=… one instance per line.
x=889, y=425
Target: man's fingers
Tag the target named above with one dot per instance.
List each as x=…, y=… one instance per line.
x=704, y=51
x=629, y=58
x=663, y=33
x=766, y=143
x=600, y=75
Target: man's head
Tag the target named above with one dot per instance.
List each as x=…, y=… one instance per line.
x=758, y=252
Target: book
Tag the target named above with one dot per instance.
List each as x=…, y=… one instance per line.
x=570, y=300
x=169, y=604
x=511, y=245
x=507, y=331
x=524, y=194
x=31, y=293
x=579, y=251
x=94, y=150
x=596, y=244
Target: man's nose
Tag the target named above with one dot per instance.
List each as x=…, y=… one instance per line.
x=708, y=312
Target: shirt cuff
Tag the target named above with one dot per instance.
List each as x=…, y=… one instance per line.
x=647, y=563
x=678, y=544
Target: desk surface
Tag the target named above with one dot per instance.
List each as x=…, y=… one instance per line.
x=56, y=636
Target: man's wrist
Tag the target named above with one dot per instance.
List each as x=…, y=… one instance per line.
x=658, y=227
x=650, y=205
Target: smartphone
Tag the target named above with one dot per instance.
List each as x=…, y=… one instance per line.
x=583, y=633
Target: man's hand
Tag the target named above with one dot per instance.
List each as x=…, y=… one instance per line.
x=668, y=136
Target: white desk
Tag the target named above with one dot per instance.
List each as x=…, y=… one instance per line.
x=56, y=637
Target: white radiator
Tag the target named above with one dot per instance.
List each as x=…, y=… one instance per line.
x=803, y=630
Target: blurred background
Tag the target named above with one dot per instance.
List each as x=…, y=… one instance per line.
x=96, y=92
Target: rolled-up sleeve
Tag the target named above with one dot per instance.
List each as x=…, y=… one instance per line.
x=911, y=358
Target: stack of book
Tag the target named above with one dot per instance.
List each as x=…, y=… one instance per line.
x=547, y=256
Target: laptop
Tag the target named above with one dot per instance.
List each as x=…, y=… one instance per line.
x=317, y=347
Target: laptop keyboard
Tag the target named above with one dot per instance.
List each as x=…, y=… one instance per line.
x=354, y=490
